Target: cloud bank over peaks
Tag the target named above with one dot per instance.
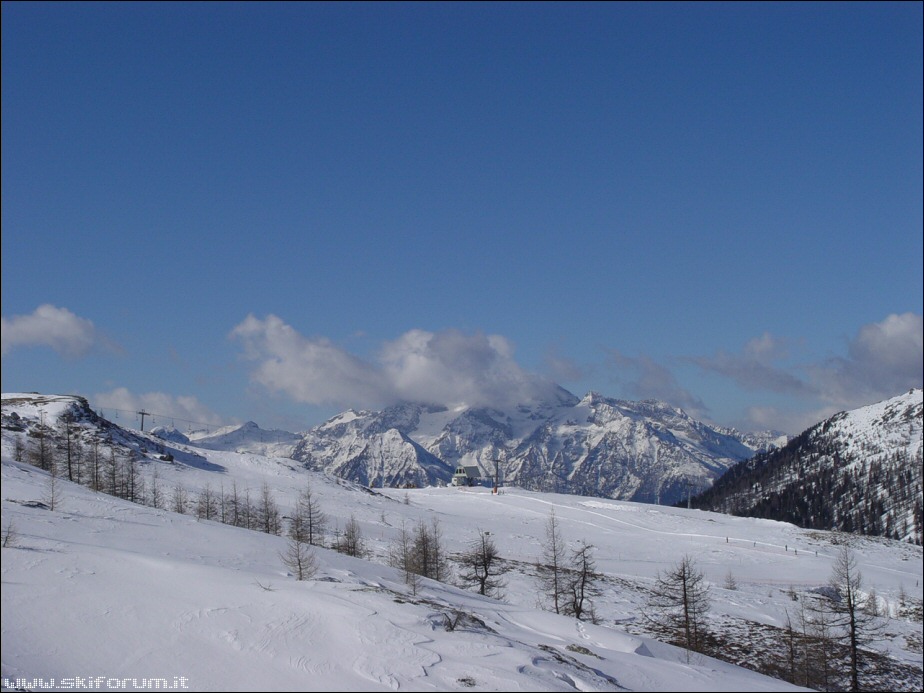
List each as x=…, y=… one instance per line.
x=446, y=368
x=884, y=359
x=58, y=328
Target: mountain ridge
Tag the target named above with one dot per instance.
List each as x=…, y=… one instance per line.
x=857, y=471
x=647, y=451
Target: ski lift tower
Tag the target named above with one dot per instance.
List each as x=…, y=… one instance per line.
x=496, y=475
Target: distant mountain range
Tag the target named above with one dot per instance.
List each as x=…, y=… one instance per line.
x=248, y=437
x=859, y=471
x=642, y=451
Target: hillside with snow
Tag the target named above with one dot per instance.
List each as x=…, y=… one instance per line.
x=858, y=471
x=95, y=585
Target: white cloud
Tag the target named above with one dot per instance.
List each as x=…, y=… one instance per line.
x=447, y=368
x=450, y=367
x=58, y=328
x=184, y=409
x=313, y=371
x=884, y=359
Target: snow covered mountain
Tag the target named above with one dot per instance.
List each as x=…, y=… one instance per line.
x=248, y=437
x=73, y=430
x=643, y=451
x=180, y=586
x=859, y=471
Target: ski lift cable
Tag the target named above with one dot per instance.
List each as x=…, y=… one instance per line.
x=190, y=422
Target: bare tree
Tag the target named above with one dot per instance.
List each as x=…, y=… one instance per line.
x=849, y=611
x=401, y=556
x=268, y=512
x=96, y=466
x=420, y=553
x=233, y=506
x=41, y=454
x=871, y=607
x=113, y=486
x=69, y=433
x=223, y=507
x=430, y=559
x=299, y=557
x=793, y=647
x=247, y=513
x=156, y=497
x=179, y=500
x=351, y=540
x=482, y=566
x=680, y=600
x=73, y=450
x=818, y=643
x=206, y=507
x=79, y=460
x=581, y=583
x=552, y=565
x=53, y=490
x=133, y=481
x=308, y=520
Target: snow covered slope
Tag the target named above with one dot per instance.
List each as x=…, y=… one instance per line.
x=99, y=586
x=105, y=590
x=859, y=471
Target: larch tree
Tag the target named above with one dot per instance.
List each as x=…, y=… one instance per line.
x=268, y=511
x=679, y=601
x=299, y=556
x=482, y=566
x=350, y=541
x=850, y=613
x=401, y=556
x=308, y=520
x=581, y=584
x=552, y=565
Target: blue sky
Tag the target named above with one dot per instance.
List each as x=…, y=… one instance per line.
x=222, y=212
